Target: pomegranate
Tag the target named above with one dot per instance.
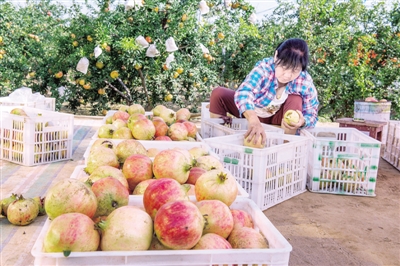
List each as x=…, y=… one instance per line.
x=190, y=190
x=122, y=133
x=103, y=142
x=100, y=156
x=160, y=125
x=133, y=119
x=70, y=195
x=212, y=241
x=164, y=138
x=123, y=115
x=177, y=132
x=136, y=109
x=218, y=217
x=196, y=152
x=167, y=115
x=119, y=123
x=191, y=129
x=6, y=202
x=143, y=129
x=179, y=224
x=126, y=228
x=183, y=114
x=137, y=167
x=22, y=211
x=162, y=191
x=110, y=194
x=242, y=218
x=152, y=152
x=71, y=232
x=172, y=164
x=194, y=174
x=126, y=148
x=209, y=162
x=216, y=184
x=106, y=131
x=40, y=203
x=246, y=237
x=108, y=171
x=158, y=109
x=141, y=187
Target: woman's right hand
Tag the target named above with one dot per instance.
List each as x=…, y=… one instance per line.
x=255, y=129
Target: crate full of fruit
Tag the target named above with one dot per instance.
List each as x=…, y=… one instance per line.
x=31, y=136
x=342, y=161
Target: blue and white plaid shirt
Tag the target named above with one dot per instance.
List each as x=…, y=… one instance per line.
x=259, y=89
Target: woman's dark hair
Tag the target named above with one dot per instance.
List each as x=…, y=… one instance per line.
x=293, y=53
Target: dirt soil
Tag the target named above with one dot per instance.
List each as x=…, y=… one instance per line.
x=327, y=229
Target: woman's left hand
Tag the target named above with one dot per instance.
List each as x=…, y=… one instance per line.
x=298, y=124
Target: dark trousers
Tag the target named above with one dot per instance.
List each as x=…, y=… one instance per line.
x=222, y=102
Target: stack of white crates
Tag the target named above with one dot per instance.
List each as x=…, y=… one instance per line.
x=270, y=175
x=342, y=161
x=38, y=137
x=392, y=148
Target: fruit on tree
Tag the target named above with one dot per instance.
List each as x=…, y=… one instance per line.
x=59, y=74
x=70, y=195
x=22, y=211
x=217, y=184
x=127, y=228
x=71, y=232
x=114, y=74
x=179, y=224
x=110, y=194
x=160, y=192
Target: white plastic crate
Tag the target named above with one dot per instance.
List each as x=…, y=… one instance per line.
x=270, y=175
x=48, y=104
x=158, y=144
x=277, y=254
x=42, y=137
x=392, y=148
x=215, y=127
x=342, y=161
x=80, y=174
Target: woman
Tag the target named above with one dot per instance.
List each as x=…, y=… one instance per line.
x=275, y=85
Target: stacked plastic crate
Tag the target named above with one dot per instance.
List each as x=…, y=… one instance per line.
x=392, y=149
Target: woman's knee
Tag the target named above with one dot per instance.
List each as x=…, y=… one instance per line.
x=218, y=93
x=294, y=102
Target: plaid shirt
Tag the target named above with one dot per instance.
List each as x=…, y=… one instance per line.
x=259, y=89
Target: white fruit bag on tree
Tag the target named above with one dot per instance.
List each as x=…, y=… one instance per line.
x=169, y=59
x=142, y=41
x=97, y=51
x=170, y=44
x=83, y=65
x=152, y=51
x=204, y=49
x=204, y=9
x=130, y=4
x=253, y=18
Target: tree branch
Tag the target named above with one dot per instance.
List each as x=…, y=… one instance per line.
x=118, y=91
x=145, y=88
x=130, y=101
